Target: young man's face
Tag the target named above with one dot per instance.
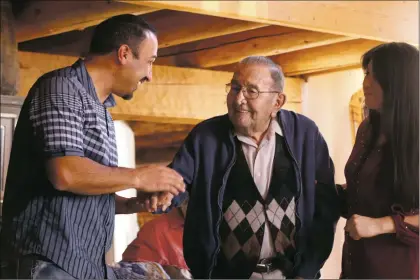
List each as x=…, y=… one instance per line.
x=136, y=70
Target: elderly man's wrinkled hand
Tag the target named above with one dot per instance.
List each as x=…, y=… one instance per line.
x=159, y=201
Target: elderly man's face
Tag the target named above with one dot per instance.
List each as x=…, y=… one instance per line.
x=248, y=115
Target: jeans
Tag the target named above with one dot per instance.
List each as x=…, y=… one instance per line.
x=35, y=267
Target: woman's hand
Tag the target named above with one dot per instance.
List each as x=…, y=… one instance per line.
x=360, y=227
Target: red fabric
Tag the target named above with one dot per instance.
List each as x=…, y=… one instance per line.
x=159, y=240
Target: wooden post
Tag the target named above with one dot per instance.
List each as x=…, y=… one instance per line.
x=9, y=84
x=9, y=62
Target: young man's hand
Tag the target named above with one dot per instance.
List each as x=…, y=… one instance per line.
x=157, y=178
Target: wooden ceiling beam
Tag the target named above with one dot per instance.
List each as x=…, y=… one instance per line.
x=266, y=41
x=306, y=76
x=164, y=139
x=176, y=95
x=155, y=155
x=375, y=20
x=158, y=142
x=141, y=128
x=173, y=28
x=334, y=57
x=176, y=28
x=46, y=18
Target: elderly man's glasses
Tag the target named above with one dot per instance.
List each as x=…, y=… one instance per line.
x=249, y=92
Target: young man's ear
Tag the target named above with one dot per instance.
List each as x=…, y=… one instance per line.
x=123, y=54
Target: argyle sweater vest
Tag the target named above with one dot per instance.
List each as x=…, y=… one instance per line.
x=245, y=213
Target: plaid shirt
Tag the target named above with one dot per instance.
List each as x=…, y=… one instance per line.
x=61, y=116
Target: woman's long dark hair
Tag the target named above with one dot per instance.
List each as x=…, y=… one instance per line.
x=395, y=67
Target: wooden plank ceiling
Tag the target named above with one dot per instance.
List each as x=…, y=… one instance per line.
x=304, y=37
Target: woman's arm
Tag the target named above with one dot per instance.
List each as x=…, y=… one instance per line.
x=388, y=225
x=406, y=228
x=412, y=220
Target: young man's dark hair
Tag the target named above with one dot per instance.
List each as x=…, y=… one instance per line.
x=110, y=34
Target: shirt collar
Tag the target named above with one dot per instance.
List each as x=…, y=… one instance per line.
x=84, y=78
x=110, y=101
x=274, y=126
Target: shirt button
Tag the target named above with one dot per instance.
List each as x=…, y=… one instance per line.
x=259, y=174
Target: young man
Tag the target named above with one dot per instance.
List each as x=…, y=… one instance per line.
x=59, y=206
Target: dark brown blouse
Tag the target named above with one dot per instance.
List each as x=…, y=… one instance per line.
x=369, y=193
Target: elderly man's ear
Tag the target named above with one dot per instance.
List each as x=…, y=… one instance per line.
x=280, y=101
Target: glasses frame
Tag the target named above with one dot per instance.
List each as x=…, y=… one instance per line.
x=228, y=89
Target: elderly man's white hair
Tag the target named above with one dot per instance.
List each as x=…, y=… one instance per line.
x=275, y=70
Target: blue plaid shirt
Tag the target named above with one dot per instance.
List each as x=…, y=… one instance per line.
x=61, y=116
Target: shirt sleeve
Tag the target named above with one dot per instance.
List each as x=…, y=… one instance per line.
x=406, y=233
x=342, y=197
x=56, y=116
x=320, y=241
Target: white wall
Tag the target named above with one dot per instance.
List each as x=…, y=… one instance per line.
x=326, y=101
x=126, y=226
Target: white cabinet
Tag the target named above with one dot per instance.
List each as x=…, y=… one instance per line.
x=9, y=113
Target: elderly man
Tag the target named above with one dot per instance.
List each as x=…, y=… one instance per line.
x=261, y=182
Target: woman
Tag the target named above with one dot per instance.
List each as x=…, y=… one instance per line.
x=381, y=200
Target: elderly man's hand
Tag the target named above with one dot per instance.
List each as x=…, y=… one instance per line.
x=145, y=202
x=159, y=200
x=133, y=205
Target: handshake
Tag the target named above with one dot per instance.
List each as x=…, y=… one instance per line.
x=145, y=202
x=156, y=187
